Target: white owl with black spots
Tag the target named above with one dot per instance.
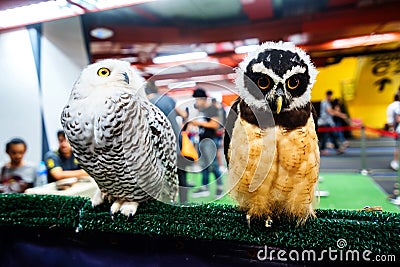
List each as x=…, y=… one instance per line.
x=119, y=138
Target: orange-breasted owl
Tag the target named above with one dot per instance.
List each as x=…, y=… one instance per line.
x=270, y=142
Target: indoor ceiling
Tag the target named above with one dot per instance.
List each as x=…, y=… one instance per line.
x=143, y=31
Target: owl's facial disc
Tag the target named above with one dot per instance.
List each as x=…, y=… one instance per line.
x=279, y=89
x=273, y=66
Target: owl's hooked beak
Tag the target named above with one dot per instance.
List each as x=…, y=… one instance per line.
x=279, y=101
x=126, y=77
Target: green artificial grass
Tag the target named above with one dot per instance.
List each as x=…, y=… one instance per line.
x=195, y=180
x=352, y=191
x=378, y=232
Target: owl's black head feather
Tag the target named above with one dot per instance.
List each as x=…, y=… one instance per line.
x=277, y=76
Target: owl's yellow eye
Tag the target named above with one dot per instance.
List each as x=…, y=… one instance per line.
x=103, y=72
x=292, y=83
x=264, y=83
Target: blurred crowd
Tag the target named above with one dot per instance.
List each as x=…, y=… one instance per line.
x=204, y=129
x=332, y=121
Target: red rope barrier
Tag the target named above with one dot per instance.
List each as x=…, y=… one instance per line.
x=337, y=129
x=382, y=132
x=351, y=128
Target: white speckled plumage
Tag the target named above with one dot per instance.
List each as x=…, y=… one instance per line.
x=122, y=140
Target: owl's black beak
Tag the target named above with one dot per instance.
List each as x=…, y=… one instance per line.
x=126, y=77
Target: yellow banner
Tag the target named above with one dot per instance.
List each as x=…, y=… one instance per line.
x=376, y=82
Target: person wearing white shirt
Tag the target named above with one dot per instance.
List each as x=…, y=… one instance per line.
x=392, y=121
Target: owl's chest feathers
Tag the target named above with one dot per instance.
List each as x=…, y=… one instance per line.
x=272, y=152
x=103, y=109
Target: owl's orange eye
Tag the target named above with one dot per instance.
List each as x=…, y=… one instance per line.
x=103, y=72
x=292, y=83
x=264, y=83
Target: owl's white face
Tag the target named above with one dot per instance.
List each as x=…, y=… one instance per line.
x=106, y=78
x=278, y=76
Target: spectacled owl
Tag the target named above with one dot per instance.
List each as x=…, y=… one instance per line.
x=270, y=142
x=119, y=138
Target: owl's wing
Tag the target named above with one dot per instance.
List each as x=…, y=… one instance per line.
x=230, y=122
x=315, y=117
x=78, y=128
x=163, y=142
x=162, y=134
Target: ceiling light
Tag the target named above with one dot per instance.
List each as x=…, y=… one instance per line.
x=94, y=5
x=179, y=57
x=101, y=33
x=34, y=13
x=105, y=4
x=365, y=40
x=299, y=38
x=180, y=85
x=130, y=59
x=56, y=9
x=245, y=49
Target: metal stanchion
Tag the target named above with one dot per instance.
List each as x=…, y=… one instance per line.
x=364, y=170
x=396, y=184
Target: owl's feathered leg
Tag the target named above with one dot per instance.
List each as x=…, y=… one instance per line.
x=115, y=207
x=129, y=208
x=125, y=207
x=98, y=198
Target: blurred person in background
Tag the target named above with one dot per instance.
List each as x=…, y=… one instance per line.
x=168, y=106
x=17, y=175
x=325, y=120
x=220, y=132
x=392, y=123
x=208, y=124
x=339, y=121
x=62, y=163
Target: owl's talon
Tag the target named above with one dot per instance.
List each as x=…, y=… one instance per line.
x=248, y=217
x=126, y=208
x=130, y=217
x=268, y=223
x=115, y=207
x=129, y=208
